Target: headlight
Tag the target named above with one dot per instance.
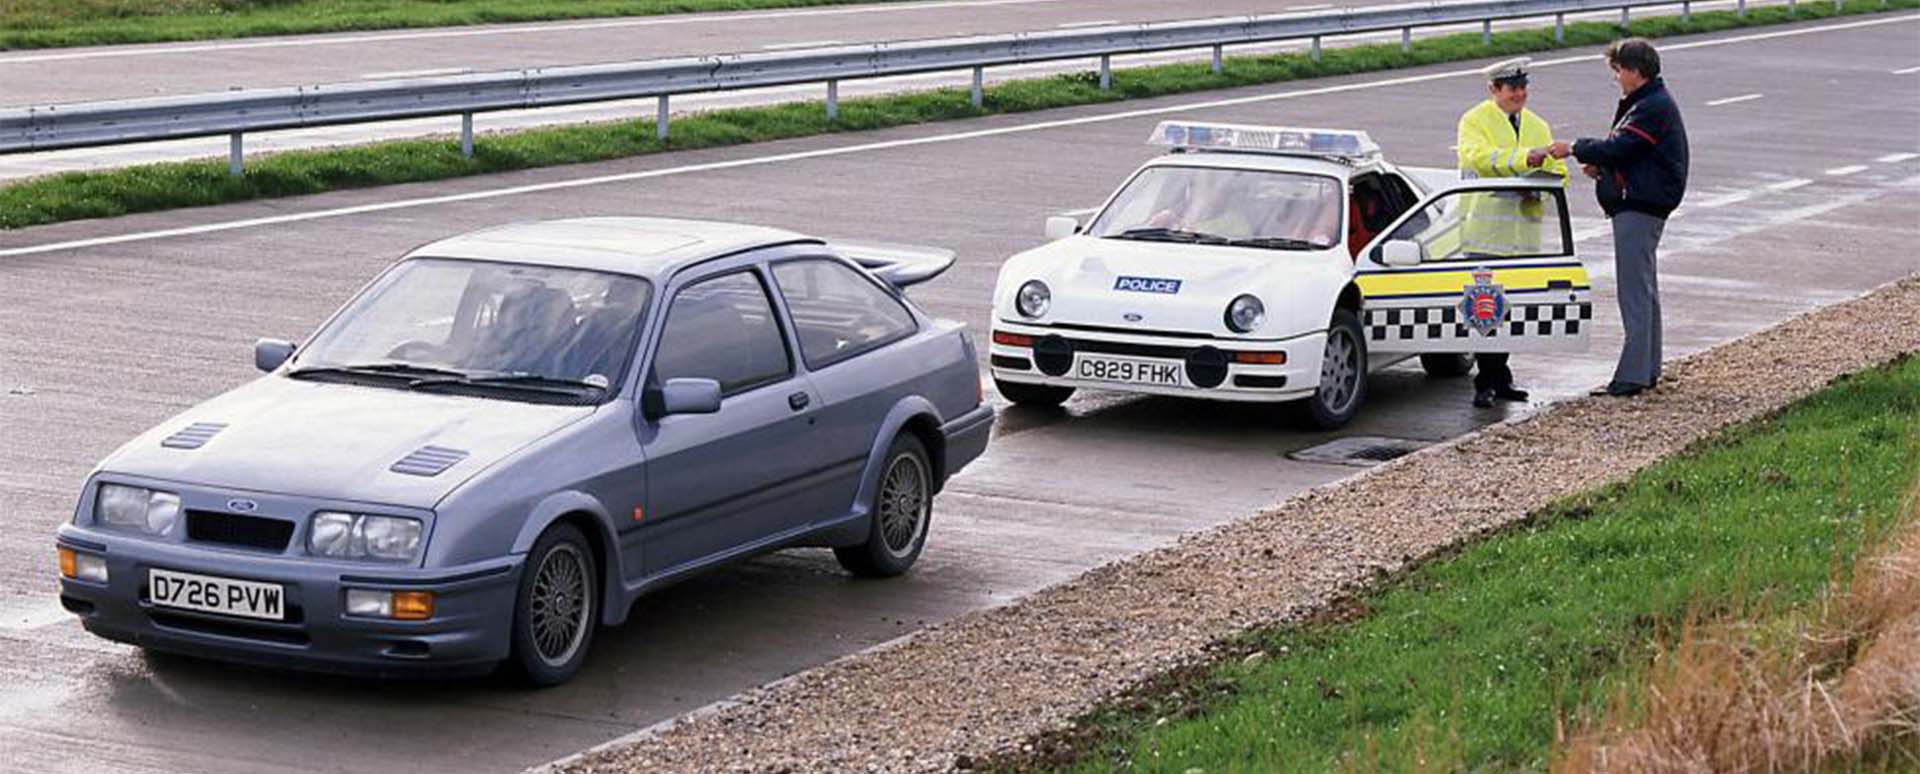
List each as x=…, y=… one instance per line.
x=362, y=536
x=1033, y=299
x=1245, y=314
x=136, y=508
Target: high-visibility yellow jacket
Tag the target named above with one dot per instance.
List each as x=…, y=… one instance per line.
x=1502, y=224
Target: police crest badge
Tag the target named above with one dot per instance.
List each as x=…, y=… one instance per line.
x=1483, y=305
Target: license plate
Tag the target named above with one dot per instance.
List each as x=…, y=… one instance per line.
x=1113, y=369
x=208, y=594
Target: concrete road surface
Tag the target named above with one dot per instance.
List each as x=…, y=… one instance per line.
x=1805, y=179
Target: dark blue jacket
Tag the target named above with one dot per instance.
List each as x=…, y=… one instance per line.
x=1643, y=162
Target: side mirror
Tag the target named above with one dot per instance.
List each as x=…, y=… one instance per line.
x=1061, y=227
x=683, y=396
x=1402, y=252
x=269, y=354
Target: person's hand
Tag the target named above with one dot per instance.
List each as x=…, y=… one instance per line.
x=1591, y=171
x=1536, y=156
x=1560, y=149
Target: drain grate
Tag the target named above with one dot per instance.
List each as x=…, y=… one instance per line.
x=1360, y=450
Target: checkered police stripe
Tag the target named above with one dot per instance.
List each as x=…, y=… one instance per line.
x=1443, y=322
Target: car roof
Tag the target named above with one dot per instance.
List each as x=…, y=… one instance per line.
x=647, y=247
x=1272, y=162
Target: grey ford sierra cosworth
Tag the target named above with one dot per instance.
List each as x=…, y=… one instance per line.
x=508, y=436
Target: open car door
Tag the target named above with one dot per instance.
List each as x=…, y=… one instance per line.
x=1484, y=266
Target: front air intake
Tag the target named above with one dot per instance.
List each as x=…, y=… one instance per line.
x=428, y=461
x=193, y=436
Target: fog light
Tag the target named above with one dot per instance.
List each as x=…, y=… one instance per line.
x=1260, y=358
x=79, y=566
x=398, y=605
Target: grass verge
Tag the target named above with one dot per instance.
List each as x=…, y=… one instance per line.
x=78, y=195
x=1489, y=658
x=63, y=23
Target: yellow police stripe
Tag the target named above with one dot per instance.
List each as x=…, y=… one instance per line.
x=1389, y=284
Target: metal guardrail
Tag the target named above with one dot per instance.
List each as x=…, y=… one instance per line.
x=237, y=112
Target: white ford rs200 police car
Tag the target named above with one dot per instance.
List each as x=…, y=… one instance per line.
x=1281, y=264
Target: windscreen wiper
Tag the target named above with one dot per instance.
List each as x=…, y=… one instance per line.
x=1275, y=243
x=1171, y=235
x=396, y=369
x=534, y=382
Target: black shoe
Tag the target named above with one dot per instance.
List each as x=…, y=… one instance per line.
x=1618, y=390
x=1483, y=398
x=1511, y=393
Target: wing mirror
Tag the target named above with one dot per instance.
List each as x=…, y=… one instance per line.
x=1061, y=227
x=1402, y=252
x=683, y=396
x=269, y=354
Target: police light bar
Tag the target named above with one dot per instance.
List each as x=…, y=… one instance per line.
x=1289, y=140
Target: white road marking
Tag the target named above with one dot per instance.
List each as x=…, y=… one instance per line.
x=805, y=44
x=1908, y=71
x=1297, y=8
x=1895, y=158
x=1847, y=170
x=559, y=185
x=652, y=21
x=1078, y=213
x=415, y=73
x=1788, y=185
x=1098, y=23
x=1732, y=100
x=1722, y=201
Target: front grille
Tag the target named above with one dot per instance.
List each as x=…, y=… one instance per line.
x=1126, y=348
x=1134, y=331
x=236, y=530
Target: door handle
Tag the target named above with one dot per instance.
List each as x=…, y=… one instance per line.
x=798, y=401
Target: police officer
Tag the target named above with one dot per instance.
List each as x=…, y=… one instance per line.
x=1500, y=137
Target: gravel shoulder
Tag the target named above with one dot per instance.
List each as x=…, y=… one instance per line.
x=979, y=686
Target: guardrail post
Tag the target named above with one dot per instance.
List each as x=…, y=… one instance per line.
x=1793, y=7
x=979, y=86
x=1316, y=49
x=1106, y=72
x=1686, y=12
x=1406, y=39
x=1740, y=9
x=660, y=120
x=1486, y=32
x=833, y=100
x=1560, y=28
x=233, y=154
x=1217, y=64
x=1626, y=20
x=466, y=135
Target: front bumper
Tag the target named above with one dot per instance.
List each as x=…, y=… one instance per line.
x=467, y=633
x=1207, y=368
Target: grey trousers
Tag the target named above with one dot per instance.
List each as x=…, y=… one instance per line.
x=1636, y=235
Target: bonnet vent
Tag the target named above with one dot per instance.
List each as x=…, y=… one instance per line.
x=428, y=461
x=193, y=436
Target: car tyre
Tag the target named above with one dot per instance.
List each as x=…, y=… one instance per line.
x=900, y=512
x=1037, y=395
x=556, y=607
x=1446, y=365
x=1343, y=375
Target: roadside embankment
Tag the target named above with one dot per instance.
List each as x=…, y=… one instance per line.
x=955, y=694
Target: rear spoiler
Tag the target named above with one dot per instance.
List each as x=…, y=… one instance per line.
x=898, y=265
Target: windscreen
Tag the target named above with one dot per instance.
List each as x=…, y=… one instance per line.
x=1253, y=208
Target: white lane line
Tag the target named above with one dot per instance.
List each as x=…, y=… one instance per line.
x=724, y=18
x=1847, y=170
x=1895, y=158
x=1908, y=71
x=1096, y=23
x=560, y=185
x=1788, y=185
x=1732, y=100
x=803, y=44
x=1078, y=213
x=1722, y=201
x=1297, y=8
x=415, y=73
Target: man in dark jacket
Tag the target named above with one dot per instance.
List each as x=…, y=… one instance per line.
x=1640, y=175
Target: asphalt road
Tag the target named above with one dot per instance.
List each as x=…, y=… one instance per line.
x=108, y=327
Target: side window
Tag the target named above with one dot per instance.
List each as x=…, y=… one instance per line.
x=1478, y=225
x=837, y=312
x=724, y=329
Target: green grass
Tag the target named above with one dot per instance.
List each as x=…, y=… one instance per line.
x=1466, y=662
x=59, y=23
x=77, y=195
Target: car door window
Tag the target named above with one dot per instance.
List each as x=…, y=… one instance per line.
x=723, y=329
x=1477, y=225
x=837, y=312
